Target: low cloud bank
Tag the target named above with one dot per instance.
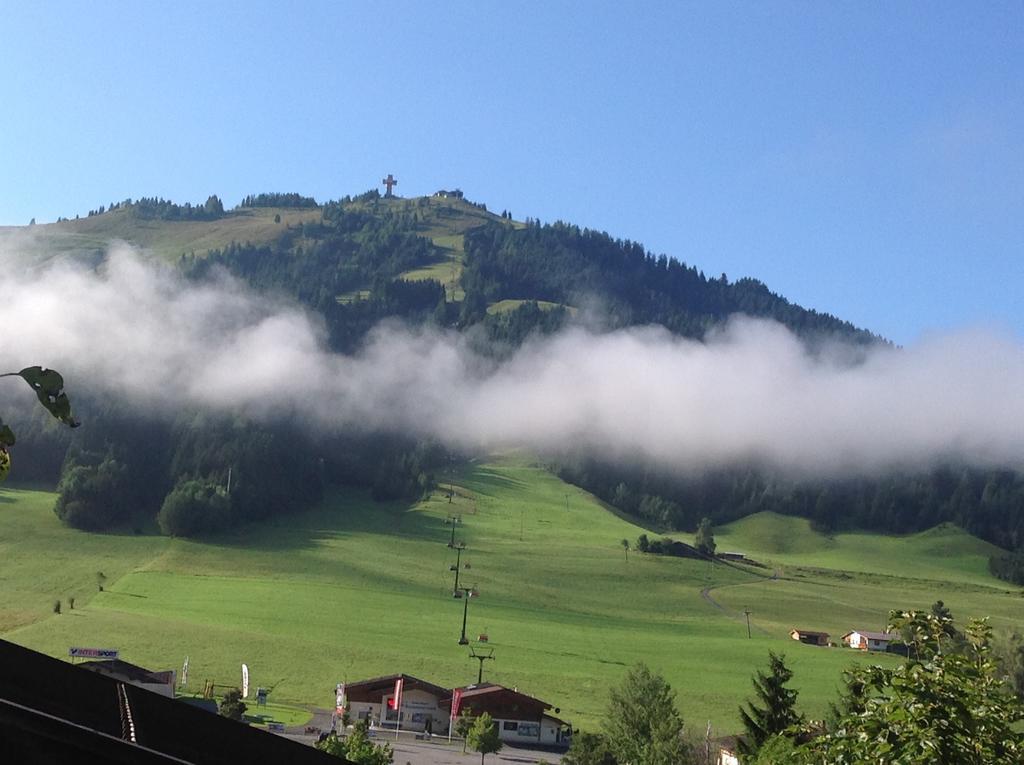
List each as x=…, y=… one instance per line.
x=751, y=391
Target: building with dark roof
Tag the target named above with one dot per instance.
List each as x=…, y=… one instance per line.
x=420, y=709
x=521, y=719
x=810, y=637
x=54, y=712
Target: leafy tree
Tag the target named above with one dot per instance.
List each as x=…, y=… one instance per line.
x=779, y=748
x=48, y=386
x=56, y=607
x=1009, y=655
x=589, y=749
x=332, y=745
x=483, y=736
x=357, y=747
x=948, y=708
x=232, y=706
x=93, y=495
x=642, y=724
x=625, y=547
x=643, y=544
x=463, y=725
x=192, y=508
x=777, y=712
x=705, y=539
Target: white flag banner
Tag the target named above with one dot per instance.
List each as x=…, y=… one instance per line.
x=245, y=681
x=184, y=673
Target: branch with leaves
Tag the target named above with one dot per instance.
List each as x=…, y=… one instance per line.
x=48, y=386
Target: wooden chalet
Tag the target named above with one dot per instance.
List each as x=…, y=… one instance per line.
x=520, y=718
x=809, y=637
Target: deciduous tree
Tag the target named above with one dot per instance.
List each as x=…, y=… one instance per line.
x=947, y=708
x=483, y=736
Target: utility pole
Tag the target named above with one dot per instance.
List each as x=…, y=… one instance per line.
x=746, y=612
x=468, y=592
x=480, y=657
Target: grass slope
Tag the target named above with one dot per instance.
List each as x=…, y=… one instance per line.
x=354, y=589
x=90, y=237
x=852, y=580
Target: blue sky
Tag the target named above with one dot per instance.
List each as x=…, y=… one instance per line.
x=860, y=158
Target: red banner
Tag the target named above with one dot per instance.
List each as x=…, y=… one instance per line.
x=396, y=701
x=456, y=702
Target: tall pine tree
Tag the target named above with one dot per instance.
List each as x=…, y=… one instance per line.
x=778, y=706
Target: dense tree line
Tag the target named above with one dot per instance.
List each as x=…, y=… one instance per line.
x=155, y=208
x=988, y=503
x=277, y=200
x=562, y=263
x=201, y=472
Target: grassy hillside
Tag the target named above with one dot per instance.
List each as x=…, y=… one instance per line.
x=91, y=236
x=355, y=589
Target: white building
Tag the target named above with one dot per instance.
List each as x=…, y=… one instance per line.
x=865, y=640
x=420, y=708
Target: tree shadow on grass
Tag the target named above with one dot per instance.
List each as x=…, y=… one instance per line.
x=341, y=514
x=491, y=482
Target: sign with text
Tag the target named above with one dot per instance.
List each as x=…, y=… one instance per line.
x=93, y=653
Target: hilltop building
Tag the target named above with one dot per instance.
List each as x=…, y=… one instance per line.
x=454, y=194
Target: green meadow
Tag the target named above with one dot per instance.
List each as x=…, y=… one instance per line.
x=354, y=589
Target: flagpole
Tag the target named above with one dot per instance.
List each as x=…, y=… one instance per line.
x=398, y=706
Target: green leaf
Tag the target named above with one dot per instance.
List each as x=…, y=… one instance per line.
x=49, y=388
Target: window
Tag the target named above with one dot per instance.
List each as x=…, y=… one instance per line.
x=364, y=714
x=509, y=725
x=530, y=729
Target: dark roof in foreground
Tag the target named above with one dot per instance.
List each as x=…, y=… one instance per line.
x=385, y=682
x=54, y=712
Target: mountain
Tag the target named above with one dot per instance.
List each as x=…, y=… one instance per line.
x=447, y=262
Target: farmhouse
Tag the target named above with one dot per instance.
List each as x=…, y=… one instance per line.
x=419, y=707
x=809, y=637
x=520, y=718
x=445, y=194
x=870, y=641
